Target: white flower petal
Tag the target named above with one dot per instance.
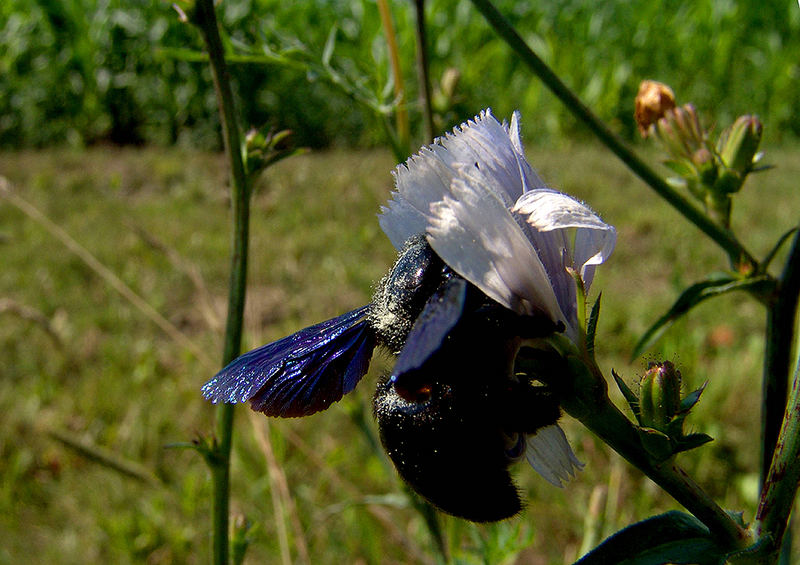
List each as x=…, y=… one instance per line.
x=550, y=455
x=485, y=141
x=476, y=235
x=420, y=181
x=399, y=220
x=489, y=217
x=547, y=211
x=425, y=178
x=532, y=179
x=592, y=248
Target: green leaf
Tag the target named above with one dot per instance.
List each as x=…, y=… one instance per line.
x=771, y=255
x=630, y=396
x=673, y=537
x=716, y=285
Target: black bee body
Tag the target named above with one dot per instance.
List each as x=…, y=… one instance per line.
x=453, y=426
x=452, y=415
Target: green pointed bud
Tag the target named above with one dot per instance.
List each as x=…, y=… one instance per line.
x=738, y=144
x=738, y=150
x=660, y=396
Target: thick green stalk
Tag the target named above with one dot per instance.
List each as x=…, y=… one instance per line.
x=739, y=256
x=423, y=76
x=779, y=353
x=783, y=479
x=783, y=476
x=205, y=18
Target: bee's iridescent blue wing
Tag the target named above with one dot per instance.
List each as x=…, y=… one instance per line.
x=302, y=373
x=441, y=313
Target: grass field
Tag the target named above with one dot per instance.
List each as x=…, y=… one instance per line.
x=93, y=390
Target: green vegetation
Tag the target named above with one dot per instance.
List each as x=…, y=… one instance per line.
x=83, y=71
x=95, y=391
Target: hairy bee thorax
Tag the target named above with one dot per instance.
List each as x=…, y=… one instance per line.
x=401, y=295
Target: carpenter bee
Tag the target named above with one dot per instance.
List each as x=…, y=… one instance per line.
x=452, y=415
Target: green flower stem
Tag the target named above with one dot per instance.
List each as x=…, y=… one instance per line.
x=204, y=17
x=587, y=400
x=783, y=475
x=423, y=76
x=739, y=256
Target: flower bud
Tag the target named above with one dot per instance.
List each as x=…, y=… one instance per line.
x=265, y=147
x=680, y=131
x=660, y=396
x=739, y=143
x=652, y=101
x=738, y=150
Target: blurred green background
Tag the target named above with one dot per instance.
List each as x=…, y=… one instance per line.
x=84, y=71
x=93, y=391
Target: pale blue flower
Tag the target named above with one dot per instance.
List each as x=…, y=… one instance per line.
x=490, y=217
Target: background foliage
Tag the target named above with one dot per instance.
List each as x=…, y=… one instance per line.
x=82, y=71
x=93, y=391
x=108, y=377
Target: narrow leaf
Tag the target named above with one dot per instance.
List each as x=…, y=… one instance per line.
x=716, y=285
x=774, y=251
x=630, y=396
x=673, y=537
